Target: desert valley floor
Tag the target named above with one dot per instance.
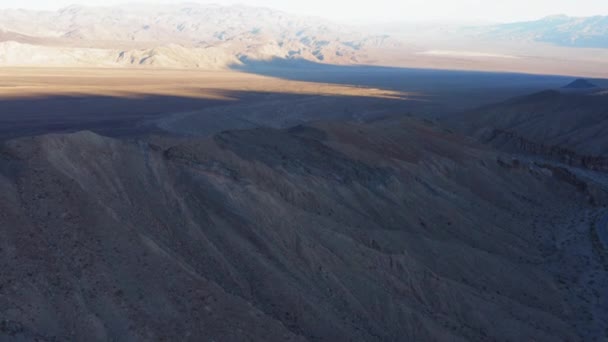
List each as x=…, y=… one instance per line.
x=127, y=101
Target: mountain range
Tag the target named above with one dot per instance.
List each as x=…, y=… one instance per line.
x=190, y=35
x=561, y=30
x=186, y=35
x=307, y=201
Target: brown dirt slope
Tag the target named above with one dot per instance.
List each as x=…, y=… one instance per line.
x=328, y=232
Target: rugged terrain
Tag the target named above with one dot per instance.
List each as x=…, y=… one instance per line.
x=192, y=172
x=391, y=231
x=570, y=124
x=186, y=35
x=211, y=37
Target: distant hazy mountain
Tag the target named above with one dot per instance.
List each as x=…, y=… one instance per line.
x=213, y=35
x=559, y=30
x=580, y=84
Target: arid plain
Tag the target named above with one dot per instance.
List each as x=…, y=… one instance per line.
x=38, y=100
x=134, y=101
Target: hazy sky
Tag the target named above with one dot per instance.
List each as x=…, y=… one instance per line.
x=386, y=10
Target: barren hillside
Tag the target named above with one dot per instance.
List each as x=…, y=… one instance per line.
x=568, y=123
x=330, y=232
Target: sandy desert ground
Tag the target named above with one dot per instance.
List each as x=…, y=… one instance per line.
x=39, y=100
x=529, y=58
x=24, y=82
x=127, y=101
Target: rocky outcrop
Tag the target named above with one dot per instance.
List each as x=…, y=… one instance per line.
x=510, y=140
x=567, y=125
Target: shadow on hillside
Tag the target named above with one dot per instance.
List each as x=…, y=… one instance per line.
x=109, y=115
x=132, y=116
x=451, y=90
x=444, y=92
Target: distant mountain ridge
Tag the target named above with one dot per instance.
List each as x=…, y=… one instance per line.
x=561, y=30
x=225, y=33
x=580, y=84
x=188, y=35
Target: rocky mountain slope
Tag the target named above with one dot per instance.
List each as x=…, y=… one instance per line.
x=184, y=35
x=169, y=56
x=389, y=231
x=570, y=124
